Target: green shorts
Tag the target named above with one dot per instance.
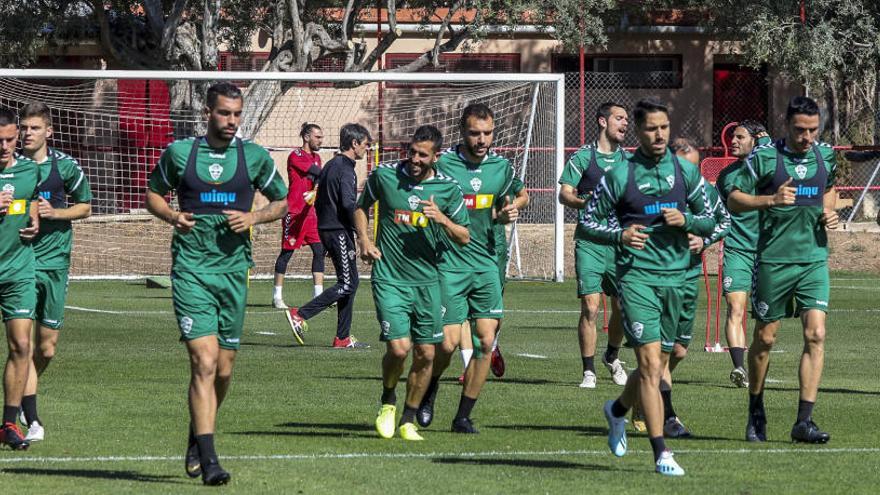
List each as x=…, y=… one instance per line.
x=408, y=312
x=502, y=269
x=210, y=304
x=739, y=266
x=470, y=295
x=785, y=290
x=51, y=294
x=650, y=313
x=18, y=299
x=595, y=268
x=690, y=293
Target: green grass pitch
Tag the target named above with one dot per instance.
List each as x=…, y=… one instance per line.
x=299, y=419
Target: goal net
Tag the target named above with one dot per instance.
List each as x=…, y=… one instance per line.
x=117, y=123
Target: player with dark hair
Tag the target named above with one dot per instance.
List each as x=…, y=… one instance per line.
x=792, y=185
x=335, y=204
x=300, y=225
x=62, y=178
x=469, y=274
x=594, y=263
x=215, y=177
x=418, y=209
x=739, y=247
x=650, y=205
x=19, y=225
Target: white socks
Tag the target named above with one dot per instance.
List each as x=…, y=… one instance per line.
x=276, y=293
x=318, y=289
x=466, y=357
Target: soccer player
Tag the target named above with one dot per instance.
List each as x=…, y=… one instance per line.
x=335, y=205
x=215, y=177
x=792, y=185
x=651, y=204
x=594, y=262
x=469, y=273
x=62, y=178
x=19, y=224
x=418, y=209
x=300, y=225
x=686, y=148
x=739, y=247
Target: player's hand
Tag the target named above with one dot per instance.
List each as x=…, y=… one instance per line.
x=27, y=234
x=509, y=212
x=695, y=244
x=184, y=222
x=46, y=209
x=239, y=221
x=429, y=208
x=309, y=196
x=829, y=219
x=369, y=252
x=5, y=201
x=634, y=237
x=673, y=217
x=785, y=195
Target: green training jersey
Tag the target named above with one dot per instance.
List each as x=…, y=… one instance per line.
x=722, y=229
x=744, y=226
x=53, y=244
x=500, y=228
x=652, y=186
x=410, y=243
x=790, y=234
x=211, y=246
x=484, y=186
x=17, y=256
x=579, y=164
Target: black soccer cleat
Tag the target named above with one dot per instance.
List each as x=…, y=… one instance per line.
x=425, y=413
x=808, y=432
x=674, y=428
x=192, y=464
x=11, y=436
x=213, y=474
x=463, y=425
x=756, y=428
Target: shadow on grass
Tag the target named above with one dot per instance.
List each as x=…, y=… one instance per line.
x=592, y=431
x=328, y=426
x=310, y=434
x=716, y=384
x=526, y=463
x=339, y=430
x=103, y=474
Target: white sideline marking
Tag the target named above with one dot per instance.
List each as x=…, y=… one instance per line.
x=429, y=455
x=265, y=333
x=770, y=380
x=533, y=356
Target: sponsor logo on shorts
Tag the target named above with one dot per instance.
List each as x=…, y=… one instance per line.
x=820, y=302
x=186, y=325
x=437, y=335
x=476, y=184
x=216, y=170
x=637, y=329
x=762, y=308
x=496, y=311
x=728, y=281
x=386, y=327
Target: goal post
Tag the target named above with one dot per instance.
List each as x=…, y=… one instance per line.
x=116, y=124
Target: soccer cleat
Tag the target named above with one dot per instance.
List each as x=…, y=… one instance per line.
x=618, y=372
x=496, y=363
x=463, y=425
x=616, y=431
x=298, y=325
x=589, y=380
x=674, y=428
x=35, y=432
x=425, y=412
x=808, y=432
x=349, y=343
x=192, y=463
x=278, y=303
x=756, y=428
x=214, y=475
x=385, y=421
x=739, y=377
x=408, y=431
x=667, y=466
x=11, y=436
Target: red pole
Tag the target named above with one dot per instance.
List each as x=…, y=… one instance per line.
x=582, y=98
x=803, y=12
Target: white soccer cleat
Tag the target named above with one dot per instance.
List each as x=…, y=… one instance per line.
x=667, y=466
x=278, y=303
x=618, y=372
x=589, y=380
x=35, y=432
x=616, y=431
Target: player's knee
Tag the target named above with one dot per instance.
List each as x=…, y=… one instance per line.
x=423, y=354
x=448, y=345
x=399, y=352
x=589, y=308
x=765, y=337
x=19, y=347
x=814, y=336
x=47, y=350
x=735, y=310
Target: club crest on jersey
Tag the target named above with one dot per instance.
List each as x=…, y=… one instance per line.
x=476, y=184
x=800, y=171
x=216, y=170
x=413, y=202
x=10, y=188
x=670, y=179
x=637, y=329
